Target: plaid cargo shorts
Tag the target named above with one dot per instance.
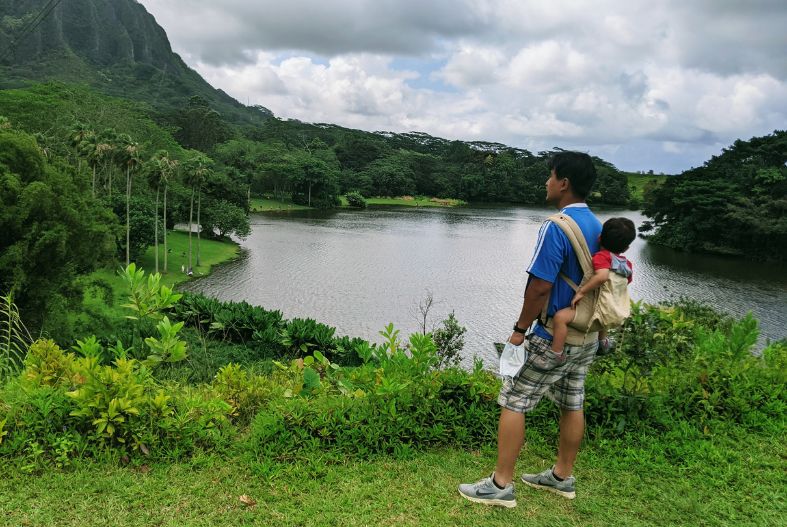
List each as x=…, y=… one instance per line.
x=560, y=377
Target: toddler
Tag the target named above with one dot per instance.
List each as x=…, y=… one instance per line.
x=616, y=236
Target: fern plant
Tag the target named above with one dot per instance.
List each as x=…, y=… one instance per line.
x=14, y=338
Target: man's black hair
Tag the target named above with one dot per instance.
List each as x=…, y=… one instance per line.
x=578, y=168
x=617, y=234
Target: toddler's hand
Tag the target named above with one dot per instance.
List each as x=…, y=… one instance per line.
x=576, y=299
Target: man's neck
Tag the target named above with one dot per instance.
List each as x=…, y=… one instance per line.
x=567, y=200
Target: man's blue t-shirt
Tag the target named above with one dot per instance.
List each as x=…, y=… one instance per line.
x=554, y=254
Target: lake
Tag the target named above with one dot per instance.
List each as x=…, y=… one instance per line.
x=360, y=270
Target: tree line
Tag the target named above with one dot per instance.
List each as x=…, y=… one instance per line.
x=72, y=204
x=736, y=203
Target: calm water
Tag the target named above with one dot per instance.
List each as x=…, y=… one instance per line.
x=360, y=270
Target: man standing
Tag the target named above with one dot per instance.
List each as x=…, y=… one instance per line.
x=561, y=377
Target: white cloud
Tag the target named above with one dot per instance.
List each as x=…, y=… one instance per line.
x=659, y=83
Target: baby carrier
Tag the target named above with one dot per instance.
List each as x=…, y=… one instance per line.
x=606, y=307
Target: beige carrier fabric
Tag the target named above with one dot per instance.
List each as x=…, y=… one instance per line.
x=605, y=308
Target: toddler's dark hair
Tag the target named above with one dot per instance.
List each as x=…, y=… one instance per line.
x=617, y=234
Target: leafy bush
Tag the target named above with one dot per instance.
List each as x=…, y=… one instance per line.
x=243, y=391
x=265, y=331
x=685, y=363
x=725, y=383
x=356, y=200
x=60, y=396
x=449, y=339
x=397, y=415
x=671, y=373
x=47, y=364
x=230, y=321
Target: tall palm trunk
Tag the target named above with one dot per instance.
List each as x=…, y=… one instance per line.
x=199, y=225
x=128, y=224
x=165, y=228
x=191, y=215
x=155, y=228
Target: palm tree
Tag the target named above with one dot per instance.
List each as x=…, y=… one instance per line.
x=43, y=144
x=129, y=155
x=154, y=180
x=76, y=135
x=164, y=166
x=197, y=172
x=108, y=153
x=89, y=146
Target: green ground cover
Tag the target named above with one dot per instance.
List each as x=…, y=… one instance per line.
x=723, y=480
x=416, y=202
x=103, y=306
x=212, y=252
x=273, y=205
x=685, y=426
x=637, y=183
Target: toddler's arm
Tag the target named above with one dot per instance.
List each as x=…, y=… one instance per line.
x=600, y=276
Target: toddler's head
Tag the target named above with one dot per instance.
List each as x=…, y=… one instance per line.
x=617, y=234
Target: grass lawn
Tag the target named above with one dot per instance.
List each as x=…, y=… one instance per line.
x=212, y=252
x=411, y=202
x=637, y=183
x=273, y=205
x=656, y=482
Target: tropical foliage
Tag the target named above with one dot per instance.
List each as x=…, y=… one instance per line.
x=736, y=203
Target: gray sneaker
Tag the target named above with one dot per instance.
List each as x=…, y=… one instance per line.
x=606, y=346
x=547, y=481
x=485, y=491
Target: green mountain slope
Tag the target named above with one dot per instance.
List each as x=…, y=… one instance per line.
x=115, y=46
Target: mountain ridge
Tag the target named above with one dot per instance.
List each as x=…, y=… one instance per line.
x=115, y=46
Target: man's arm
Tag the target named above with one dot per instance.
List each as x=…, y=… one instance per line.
x=536, y=296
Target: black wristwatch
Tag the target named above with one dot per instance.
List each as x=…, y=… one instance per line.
x=519, y=330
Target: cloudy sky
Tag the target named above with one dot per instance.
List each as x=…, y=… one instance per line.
x=646, y=85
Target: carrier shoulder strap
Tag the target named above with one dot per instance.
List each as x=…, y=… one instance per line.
x=577, y=239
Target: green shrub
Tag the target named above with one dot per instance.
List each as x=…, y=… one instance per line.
x=684, y=363
x=726, y=385
x=449, y=339
x=243, y=391
x=49, y=365
x=266, y=332
x=356, y=200
x=300, y=336
x=116, y=406
x=36, y=417
x=396, y=416
x=237, y=322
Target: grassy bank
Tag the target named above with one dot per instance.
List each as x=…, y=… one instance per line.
x=637, y=183
x=726, y=480
x=274, y=205
x=212, y=252
x=408, y=201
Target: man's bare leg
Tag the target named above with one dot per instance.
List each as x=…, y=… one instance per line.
x=572, y=429
x=510, y=438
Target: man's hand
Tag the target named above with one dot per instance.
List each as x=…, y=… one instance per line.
x=577, y=297
x=516, y=338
